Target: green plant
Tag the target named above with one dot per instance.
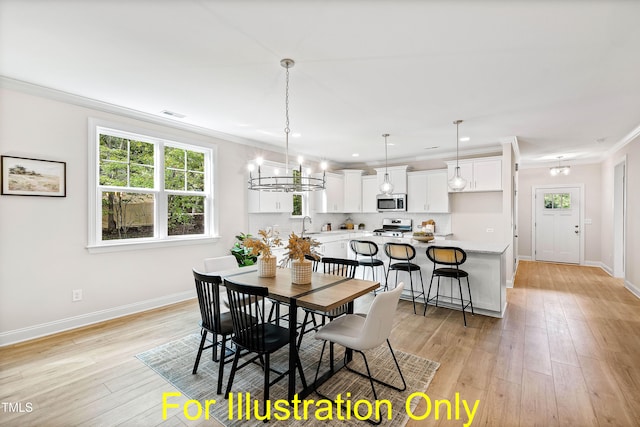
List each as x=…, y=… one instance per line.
x=243, y=255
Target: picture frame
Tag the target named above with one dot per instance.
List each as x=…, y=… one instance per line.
x=22, y=176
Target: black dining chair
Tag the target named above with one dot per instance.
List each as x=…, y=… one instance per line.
x=253, y=333
x=214, y=321
x=403, y=254
x=338, y=267
x=446, y=263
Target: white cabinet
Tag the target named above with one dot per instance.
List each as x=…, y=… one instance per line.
x=352, y=191
x=482, y=174
x=397, y=176
x=331, y=199
x=269, y=201
x=427, y=191
x=335, y=249
x=369, y=192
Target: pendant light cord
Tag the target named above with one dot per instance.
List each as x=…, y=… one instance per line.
x=286, y=126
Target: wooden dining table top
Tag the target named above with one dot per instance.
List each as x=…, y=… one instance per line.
x=325, y=292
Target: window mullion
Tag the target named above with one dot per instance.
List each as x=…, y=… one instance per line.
x=161, y=194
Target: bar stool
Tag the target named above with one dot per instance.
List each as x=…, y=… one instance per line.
x=369, y=250
x=404, y=253
x=451, y=257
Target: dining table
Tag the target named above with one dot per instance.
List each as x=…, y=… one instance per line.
x=325, y=293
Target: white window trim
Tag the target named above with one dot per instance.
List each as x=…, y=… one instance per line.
x=95, y=244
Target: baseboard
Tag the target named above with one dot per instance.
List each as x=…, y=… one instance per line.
x=49, y=328
x=632, y=288
x=524, y=258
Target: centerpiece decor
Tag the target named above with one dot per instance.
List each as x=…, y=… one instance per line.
x=262, y=247
x=301, y=250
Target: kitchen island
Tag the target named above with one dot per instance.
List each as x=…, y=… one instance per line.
x=486, y=265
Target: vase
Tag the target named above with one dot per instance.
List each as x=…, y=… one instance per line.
x=301, y=272
x=267, y=267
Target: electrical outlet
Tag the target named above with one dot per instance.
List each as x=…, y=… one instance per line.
x=489, y=230
x=76, y=295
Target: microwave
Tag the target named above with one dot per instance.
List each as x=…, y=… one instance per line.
x=391, y=202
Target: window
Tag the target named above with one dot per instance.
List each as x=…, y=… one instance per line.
x=149, y=189
x=557, y=201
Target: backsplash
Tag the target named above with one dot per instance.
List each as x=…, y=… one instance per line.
x=285, y=224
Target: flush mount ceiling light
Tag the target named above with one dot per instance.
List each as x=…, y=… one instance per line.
x=457, y=182
x=386, y=187
x=559, y=170
x=294, y=179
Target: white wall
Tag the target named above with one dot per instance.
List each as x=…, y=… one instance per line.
x=590, y=176
x=43, y=240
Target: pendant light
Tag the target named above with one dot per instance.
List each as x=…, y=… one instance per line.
x=559, y=170
x=457, y=182
x=386, y=187
x=296, y=181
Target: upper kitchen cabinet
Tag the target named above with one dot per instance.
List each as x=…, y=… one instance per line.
x=482, y=174
x=370, y=190
x=331, y=199
x=427, y=191
x=352, y=190
x=269, y=201
x=397, y=176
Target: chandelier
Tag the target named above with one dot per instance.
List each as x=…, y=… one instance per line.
x=457, y=182
x=386, y=187
x=295, y=181
x=559, y=170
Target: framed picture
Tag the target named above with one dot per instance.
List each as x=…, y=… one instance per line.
x=33, y=177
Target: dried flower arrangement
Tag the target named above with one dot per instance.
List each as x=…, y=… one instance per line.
x=262, y=246
x=298, y=247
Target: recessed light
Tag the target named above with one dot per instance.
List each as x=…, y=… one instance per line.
x=431, y=148
x=464, y=139
x=296, y=135
x=173, y=114
x=355, y=155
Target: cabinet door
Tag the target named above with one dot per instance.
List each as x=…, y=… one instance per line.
x=369, y=193
x=417, y=192
x=335, y=193
x=487, y=175
x=466, y=171
x=331, y=199
x=337, y=249
x=437, y=185
x=352, y=191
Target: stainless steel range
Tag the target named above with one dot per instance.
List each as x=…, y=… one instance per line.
x=394, y=227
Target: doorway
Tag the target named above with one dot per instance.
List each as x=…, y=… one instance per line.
x=619, y=214
x=557, y=224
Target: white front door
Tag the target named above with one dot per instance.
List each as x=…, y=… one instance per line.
x=557, y=224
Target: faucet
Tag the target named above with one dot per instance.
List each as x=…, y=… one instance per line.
x=303, y=225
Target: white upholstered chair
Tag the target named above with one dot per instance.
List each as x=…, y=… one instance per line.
x=360, y=333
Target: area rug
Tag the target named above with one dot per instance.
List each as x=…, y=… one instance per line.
x=174, y=362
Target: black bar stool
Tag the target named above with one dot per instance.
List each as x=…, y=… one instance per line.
x=404, y=253
x=368, y=250
x=451, y=257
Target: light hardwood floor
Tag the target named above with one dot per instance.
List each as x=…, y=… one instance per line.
x=567, y=352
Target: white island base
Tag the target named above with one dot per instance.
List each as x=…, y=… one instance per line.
x=486, y=265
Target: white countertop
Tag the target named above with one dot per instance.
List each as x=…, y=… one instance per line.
x=477, y=247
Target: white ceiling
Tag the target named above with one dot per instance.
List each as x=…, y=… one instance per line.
x=563, y=77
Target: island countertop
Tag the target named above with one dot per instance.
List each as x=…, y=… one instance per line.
x=467, y=246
